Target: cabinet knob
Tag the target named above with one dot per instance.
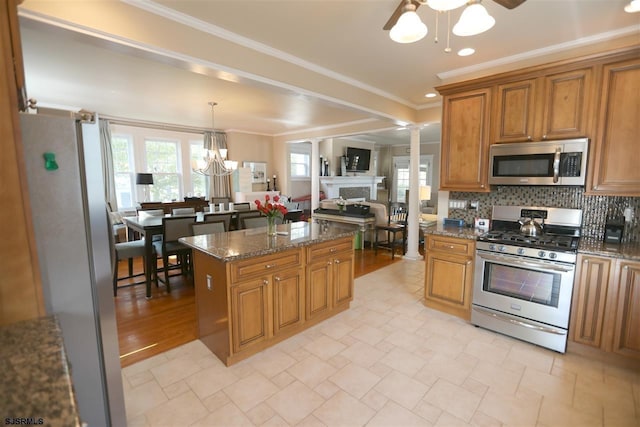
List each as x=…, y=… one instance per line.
x=332, y=250
x=269, y=266
x=626, y=267
x=337, y=261
x=265, y=282
x=329, y=262
x=276, y=278
x=529, y=138
x=586, y=261
x=544, y=137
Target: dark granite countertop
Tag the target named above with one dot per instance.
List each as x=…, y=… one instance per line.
x=452, y=231
x=36, y=384
x=235, y=245
x=629, y=251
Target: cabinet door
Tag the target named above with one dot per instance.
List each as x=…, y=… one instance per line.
x=567, y=99
x=614, y=166
x=250, y=313
x=515, y=111
x=465, y=141
x=626, y=340
x=589, y=300
x=343, y=278
x=318, y=289
x=288, y=299
x=448, y=283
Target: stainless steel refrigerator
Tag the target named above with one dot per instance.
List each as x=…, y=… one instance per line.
x=70, y=225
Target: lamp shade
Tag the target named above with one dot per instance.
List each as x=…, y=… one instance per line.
x=425, y=192
x=409, y=27
x=144, y=179
x=474, y=20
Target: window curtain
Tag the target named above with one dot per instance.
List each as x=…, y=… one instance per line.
x=107, y=165
x=220, y=186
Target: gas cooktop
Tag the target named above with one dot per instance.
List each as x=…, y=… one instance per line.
x=544, y=241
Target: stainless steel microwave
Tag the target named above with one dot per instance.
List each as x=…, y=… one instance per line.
x=539, y=163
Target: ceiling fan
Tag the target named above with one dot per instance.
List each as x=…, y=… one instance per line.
x=439, y=5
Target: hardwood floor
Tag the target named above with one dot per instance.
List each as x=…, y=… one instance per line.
x=149, y=327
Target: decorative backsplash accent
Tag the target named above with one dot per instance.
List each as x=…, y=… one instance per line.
x=355, y=192
x=595, y=209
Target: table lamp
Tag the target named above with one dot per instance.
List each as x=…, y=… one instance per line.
x=145, y=179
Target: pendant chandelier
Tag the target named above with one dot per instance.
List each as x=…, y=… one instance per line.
x=214, y=162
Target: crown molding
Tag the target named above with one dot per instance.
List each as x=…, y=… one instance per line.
x=584, y=41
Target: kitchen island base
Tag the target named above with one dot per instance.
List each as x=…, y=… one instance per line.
x=248, y=304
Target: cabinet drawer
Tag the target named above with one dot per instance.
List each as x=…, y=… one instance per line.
x=451, y=245
x=329, y=248
x=253, y=267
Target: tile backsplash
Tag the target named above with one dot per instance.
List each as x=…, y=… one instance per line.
x=595, y=209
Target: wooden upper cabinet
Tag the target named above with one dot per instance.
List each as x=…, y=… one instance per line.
x=515, y=111
x=566, y=104
x=615, y=150
x=465, y=141
x=555, y=106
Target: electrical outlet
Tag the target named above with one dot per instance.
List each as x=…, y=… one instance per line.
x=628, y=214
x=474, y=205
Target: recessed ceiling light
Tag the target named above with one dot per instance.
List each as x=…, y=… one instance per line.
x=466, y=51
x=430, y=95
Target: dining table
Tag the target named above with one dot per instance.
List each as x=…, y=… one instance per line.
x=150, y=226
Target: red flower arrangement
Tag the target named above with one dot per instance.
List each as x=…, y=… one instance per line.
x=271, y=210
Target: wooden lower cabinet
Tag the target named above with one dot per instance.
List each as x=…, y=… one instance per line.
x=329, y=277
x=246, y=306
x=626, y=336
x=605, y=310
x=449, y=274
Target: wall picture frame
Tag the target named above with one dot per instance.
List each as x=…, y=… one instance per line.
x=258, y=171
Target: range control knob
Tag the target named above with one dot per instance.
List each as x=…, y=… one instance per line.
x=553, y=255
x=520, y=251
x=502, y=248
x=492, y=247
x=541, y=254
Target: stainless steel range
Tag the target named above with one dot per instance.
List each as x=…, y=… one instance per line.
x=522, y=283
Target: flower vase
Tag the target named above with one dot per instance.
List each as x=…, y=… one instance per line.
x=271, y=225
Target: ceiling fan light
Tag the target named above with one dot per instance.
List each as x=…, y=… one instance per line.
x=474, y=20
x=409, y=28
x=445, y=5
x=633, y=6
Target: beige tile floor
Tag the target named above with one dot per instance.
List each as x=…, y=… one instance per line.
x=387, y=361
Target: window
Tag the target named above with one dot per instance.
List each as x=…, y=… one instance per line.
x=300, y=160
x=123, y=168
x=401, y=176
x=199, y=182
x=162, y=162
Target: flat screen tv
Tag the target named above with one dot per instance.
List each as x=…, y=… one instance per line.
x=358, y=159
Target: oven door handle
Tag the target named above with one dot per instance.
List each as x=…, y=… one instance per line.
x=511, y=260
x=508, y=319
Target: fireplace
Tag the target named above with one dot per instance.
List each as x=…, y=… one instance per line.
x=354, y=186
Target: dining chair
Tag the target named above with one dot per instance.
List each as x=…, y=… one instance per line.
x=217, y=200
x=216, y=217
x=183, y=211
x=174, y=228
x=258, y=221
x=395, y=232
x=240, y=216
x=125, y=251
x=200, y=228
x=243, y=206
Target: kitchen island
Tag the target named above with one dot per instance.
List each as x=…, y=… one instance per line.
x=254, y=290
